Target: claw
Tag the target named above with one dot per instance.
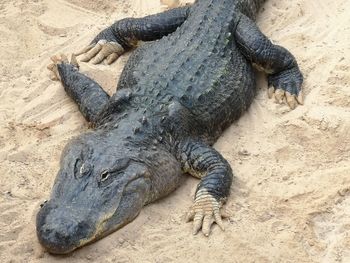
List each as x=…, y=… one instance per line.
x=204, y=212
x=225, y=213
x=89, y=55
x=218, y=220
x=207, y=222
x=107, y=50
x=300, y=98
x=54, y=59
x=197, y=223
x=74, y=61
x=288, y=83
x=57, y=59
x=51, y=66
x=53, y=76
x=111, y=58
x=101, y=50
x=84, y=50
x=279, y=95
x=64, y=58
x=291, y=100
x=190, y=215
x=270, y=92
x=99, y=57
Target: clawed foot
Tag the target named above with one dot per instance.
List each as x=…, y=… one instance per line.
x=204, y=212
x=57, y=60
x=287, y=85
x=101, y=50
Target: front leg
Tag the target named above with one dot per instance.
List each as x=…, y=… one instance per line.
x=202, y=161
x=284, y=76
x=88, y=94
x=126, y=33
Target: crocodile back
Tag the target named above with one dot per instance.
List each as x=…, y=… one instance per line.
x=198, y=66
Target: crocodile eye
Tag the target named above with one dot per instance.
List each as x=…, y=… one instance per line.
x=77, y=167
x=104, y=176
x=85, y=169
x=82, y=169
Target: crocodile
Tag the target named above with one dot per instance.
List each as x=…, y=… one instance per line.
x=190, y=76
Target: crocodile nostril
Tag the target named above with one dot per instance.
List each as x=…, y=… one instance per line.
x=63, y=233
x=58, y=229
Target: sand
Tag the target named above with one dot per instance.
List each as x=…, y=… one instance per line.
x=290, y=200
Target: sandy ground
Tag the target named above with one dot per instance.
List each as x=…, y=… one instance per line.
x=290, y=201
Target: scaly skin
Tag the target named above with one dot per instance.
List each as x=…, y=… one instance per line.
x=175, y=97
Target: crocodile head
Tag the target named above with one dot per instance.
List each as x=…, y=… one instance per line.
x=99, y=188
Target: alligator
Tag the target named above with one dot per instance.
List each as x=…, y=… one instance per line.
x=189, y=77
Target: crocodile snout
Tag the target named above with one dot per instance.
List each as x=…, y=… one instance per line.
x=58, y=230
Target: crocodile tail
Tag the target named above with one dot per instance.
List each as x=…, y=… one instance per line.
x=250, y=7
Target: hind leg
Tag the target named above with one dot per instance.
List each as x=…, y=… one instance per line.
x=284, y=76
x=88, y=94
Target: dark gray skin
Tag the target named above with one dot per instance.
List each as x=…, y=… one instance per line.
x=175, y=97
